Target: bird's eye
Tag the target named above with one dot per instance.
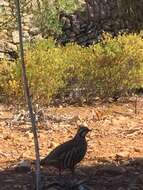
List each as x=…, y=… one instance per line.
x=83, y=133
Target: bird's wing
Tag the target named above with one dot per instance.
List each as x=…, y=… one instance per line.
x=59, y=152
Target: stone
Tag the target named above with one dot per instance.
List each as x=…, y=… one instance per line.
x=7, y=50
x=4, y=3
x=27, y=19
x=10, y=46
x=137, y=150
x=137, y=161
x=122, y=155
x=67, y=24
x=91, y=12
x=2, y=55
x=105, y=15
x=102, y=12
x=23, y=166
x=3, y=35
x=29, y=135
x=72, y=35
x=83, y=39
x=26, y=36
x=25, y=28
x=37, y=37
x=73, y=17
x=34, y=31
x=107, y=26
x=15, y=36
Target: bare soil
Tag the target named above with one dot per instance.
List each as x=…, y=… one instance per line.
x=114, y=160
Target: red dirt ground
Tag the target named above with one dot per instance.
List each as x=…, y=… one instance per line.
x=115, y=146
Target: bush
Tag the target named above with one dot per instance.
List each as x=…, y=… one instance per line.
x=47, y=15
x=10, y=84
x=112, y=67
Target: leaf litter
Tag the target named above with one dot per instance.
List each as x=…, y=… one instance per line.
x=114, y=160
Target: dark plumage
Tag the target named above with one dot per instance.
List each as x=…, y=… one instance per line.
x=68, y=154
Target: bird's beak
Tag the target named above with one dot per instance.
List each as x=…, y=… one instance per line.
x=90, y=130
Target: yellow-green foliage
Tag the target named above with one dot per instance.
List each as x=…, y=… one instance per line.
x=9, y=84
x=115, y=65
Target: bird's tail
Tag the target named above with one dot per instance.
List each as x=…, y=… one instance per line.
x=47, y=162
x=43, y=162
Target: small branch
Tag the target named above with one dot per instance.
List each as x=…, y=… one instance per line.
x=27, y=95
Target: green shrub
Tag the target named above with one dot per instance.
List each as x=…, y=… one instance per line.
x=46, y=17
x=10, y=81
x=114, y=66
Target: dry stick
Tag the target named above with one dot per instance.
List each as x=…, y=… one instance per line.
x=27, y=95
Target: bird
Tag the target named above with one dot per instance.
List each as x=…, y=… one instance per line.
x=68, y=154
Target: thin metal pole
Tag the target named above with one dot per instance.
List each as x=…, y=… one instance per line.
x=27, y=96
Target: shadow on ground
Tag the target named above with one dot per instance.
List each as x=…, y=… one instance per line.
x=127, y=175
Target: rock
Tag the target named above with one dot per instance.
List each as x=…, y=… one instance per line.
x=23, y=166
x=3, y=35
x=102, y=12
x=37, y=37
x=27, y=19
x=26, y=28
x=137, y=150
x=2, y=55
x=83, y=39
x=34, y=31
x=66, y=23
x=26, y=36
x=10, y=46
x=29, y=135
x=15, y=37
x=106, y=15
x=122, y=155
x=137, y=161
x=4, y=3
x=7, y=50
x=2, y=46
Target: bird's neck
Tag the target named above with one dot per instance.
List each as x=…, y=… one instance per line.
x=79, y=138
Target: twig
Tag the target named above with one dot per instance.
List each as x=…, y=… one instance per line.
x=27, y=96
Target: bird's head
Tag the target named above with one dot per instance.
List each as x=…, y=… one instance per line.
x=82, y=131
